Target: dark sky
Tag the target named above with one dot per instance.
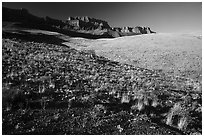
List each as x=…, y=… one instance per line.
x=161, y=17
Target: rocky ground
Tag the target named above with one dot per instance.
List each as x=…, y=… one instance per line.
x=55, y=89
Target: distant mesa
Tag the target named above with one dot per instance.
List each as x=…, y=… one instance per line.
x=133, y=30
x=87, y=23
x=73, y=26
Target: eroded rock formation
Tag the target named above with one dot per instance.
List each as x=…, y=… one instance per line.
x=136, y=30
x=73, y=26
x=87, y=23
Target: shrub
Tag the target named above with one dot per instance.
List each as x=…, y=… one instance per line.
x=144, y=99
x=140, y=99
x=125, y=98
x=178, y=117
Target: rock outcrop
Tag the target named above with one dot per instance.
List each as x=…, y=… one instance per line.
x=74, y=26
x=133, y=30
x=87, y=23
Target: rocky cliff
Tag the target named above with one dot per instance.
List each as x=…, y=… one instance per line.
x=84, y=26
x=134, y=30
x=87, y=23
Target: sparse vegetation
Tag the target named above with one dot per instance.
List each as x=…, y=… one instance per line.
x=174, y=54
x=54, y=89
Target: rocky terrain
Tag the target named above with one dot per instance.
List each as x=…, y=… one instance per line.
x=50, y=88
x=58, y=77
x=85, y=27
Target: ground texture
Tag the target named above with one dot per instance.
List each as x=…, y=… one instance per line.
x=175, y=54
x=55, y=89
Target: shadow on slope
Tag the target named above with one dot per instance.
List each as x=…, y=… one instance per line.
x=40, y=38
x=13, y=26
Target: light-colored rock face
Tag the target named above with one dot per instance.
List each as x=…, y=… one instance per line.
x=86, y=22
x=125, y=29
x=70, y=18
x=73, y=23
x=83, y=18
x=136, y=30
x=148, y=30
x=91, y=24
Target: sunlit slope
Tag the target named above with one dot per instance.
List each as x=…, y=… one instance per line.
x=179, y=54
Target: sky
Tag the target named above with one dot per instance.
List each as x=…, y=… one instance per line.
x=164, y=17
